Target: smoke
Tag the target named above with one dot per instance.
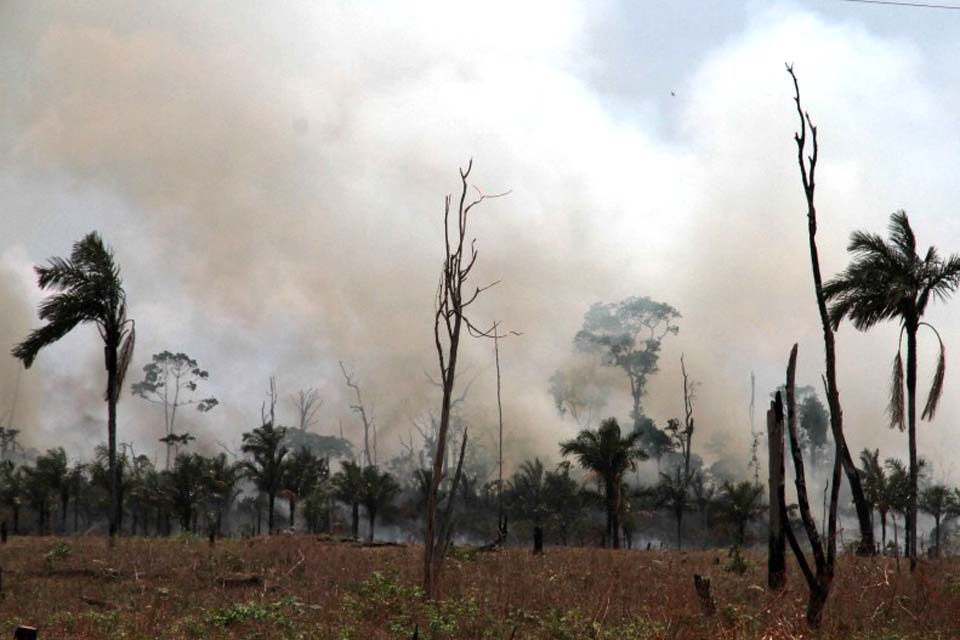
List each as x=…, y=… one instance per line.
x=273, y=182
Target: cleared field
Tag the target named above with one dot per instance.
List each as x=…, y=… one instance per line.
x=304, y=587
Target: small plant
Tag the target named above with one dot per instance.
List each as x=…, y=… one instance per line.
x=737, y=563
x=60, y=552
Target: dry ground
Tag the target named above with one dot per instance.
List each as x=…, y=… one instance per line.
x=310, y=588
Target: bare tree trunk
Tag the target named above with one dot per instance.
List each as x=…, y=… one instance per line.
x=807, y=174
x=449, y=318
x=911, y=531
x=112, y=393
x=776, y=559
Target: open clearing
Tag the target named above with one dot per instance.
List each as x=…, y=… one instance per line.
x=305, y=587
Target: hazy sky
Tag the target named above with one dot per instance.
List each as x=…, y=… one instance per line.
x=272, y=180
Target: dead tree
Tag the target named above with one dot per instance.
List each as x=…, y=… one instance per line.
x=368, y=421
x=776, y=559
x=453, y=298
x=808, y=168
x=265, y=414
x=307, y=403
x=820, y=579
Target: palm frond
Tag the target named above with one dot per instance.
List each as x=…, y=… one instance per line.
x=27, y=350
x=936, y=386
x=901, y=234
x=125, y=356
x=896, y=406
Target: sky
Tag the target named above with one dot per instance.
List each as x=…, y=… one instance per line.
x=271, y=178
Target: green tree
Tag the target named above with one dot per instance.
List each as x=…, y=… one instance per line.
x=898, y=478
x=53, y=471
x=525, y=492
x=12, y=490
x=608, y=454
x=302, y=470
x=627, y=335
x=220, y=487
x=889, y=280
x=940, y=503
x=673, y=494
x=377, y=490
x=563, y=500
x=184, y=487
x=265, y=447
x=348, y=488
x=876, y=488
x=89, y=290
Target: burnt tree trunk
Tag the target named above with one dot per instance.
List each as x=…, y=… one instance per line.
x=776, y=559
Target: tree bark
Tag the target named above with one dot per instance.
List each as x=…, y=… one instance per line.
x=776, y=559
x=912, y=437
x=111, y=357
x=833, y=394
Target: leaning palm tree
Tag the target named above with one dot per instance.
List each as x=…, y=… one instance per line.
x=889, y=280
x=89, y=290
x=608, y=454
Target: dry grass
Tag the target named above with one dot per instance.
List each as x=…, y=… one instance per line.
x=309, y=588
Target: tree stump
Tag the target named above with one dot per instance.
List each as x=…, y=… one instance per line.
x=537, y=540
x=707, y=603
x=25, y=633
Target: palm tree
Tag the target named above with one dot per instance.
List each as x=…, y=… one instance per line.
x=89, y=290
x=301, y=472
x=220, y=482
x=184, y=486
x=672, y=493
x=53, y=471
x=610, y=455
x=889, y=280
x=348, y=487
x=876, y=487
x=741, y=503
x=265, y=445
x=526, y=491
x=941, y=503
x=377, y=489
x=898, y=478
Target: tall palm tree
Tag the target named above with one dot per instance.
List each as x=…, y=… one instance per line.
x=876, y=488
x=265, y=445
x=377, y=490
x=610, y=455
x=88, y=290
x=889, y=280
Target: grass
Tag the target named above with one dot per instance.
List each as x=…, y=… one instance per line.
x=304, y=587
